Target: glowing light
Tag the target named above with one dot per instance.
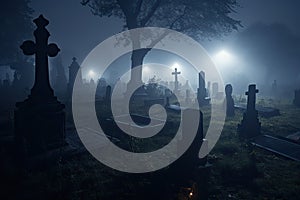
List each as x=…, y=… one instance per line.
x=176, y=65
x=91, y=73
x=191, y=194
x=223, y=57
x=146, y=69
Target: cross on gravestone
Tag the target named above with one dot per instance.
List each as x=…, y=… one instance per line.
x=251, y=93
x=250, y=125
x=42, y=50
x=39, y=121
x=175, y=73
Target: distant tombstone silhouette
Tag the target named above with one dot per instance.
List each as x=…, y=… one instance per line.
x=201, y=91
x=40, y=119
x=297, y=98
x=74, y=69
x=229, y=101
x=250, y=125
x=107, y=98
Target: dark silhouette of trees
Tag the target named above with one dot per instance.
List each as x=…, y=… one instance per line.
x=16, y=25
x=199, y=19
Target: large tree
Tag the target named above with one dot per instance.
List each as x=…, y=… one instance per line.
x=197, y=18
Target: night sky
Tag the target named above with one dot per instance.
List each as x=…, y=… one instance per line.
x=78, y=31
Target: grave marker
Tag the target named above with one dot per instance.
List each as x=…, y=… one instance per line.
x=40, y=119
x=229, y=101
x=250, y=125
x=175, y=73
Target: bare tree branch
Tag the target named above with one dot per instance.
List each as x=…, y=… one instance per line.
x=138, y=8
x=150, y=14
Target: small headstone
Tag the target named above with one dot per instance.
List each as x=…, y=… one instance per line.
x=229, y=101
x=40, y=119
x=250, y=125
x=297, y=98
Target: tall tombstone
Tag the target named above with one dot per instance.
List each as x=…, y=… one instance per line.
x=201, y=91
x=229, y=101
x=40, y=119
x=250, y=125
x=297, y=98
x=190, y=166
x=74, y=69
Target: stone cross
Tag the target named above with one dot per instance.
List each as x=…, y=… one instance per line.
x=41, y=49
x=251, y=97
x=176, y=78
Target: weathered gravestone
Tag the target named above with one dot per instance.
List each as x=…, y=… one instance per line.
x=250, y=125
x=202, y=97
x=297, y=98
x=40, y=119
x=229, y=101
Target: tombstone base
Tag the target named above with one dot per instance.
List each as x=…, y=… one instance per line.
x=39, y=125
x=203, y=101
x=250, y=125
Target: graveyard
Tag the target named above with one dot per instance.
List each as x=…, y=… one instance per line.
x=150, y=111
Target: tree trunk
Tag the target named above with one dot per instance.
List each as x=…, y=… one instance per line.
x=137, y=58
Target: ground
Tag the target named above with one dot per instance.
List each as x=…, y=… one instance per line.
x=239, y=170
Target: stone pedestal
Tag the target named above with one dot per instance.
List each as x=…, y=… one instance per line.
x=250, y=125
x=39, y=126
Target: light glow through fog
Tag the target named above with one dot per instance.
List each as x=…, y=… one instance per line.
x=223, y=57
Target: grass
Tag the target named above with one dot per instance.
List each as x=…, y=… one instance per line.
x=239, y=170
